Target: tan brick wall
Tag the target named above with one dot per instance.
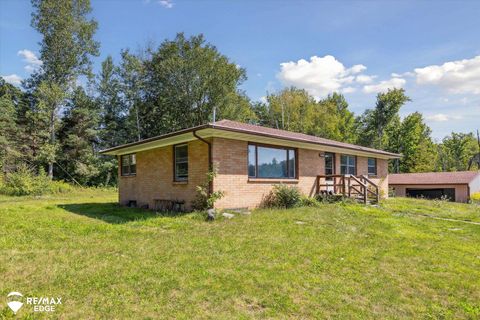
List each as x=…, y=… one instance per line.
x=231, y=159
x=461, y=190
x=154, y=178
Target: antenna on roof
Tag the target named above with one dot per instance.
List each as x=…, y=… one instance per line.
x=214, y=114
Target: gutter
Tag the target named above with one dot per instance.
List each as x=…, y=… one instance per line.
x=210, y=162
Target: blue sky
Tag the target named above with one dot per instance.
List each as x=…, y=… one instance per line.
x=430, y=48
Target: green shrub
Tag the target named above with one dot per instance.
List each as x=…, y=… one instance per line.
x=204, y=199
x=282, y=196
x=475, y=197
x=59, y=187
x=25, y=182
x=309, y=202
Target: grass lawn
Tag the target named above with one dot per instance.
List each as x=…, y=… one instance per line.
x=344, y=261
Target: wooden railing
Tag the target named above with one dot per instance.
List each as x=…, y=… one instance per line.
x=360, y=188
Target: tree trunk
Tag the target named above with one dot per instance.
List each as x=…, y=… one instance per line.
x=52, y=141
x=138, y=122
x=107, y=180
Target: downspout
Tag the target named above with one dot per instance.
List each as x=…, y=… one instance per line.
x=210, y=164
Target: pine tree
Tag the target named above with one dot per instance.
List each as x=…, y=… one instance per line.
x=78, y=137
x=11, y=99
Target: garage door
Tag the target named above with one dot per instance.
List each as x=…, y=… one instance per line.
x=432, y=193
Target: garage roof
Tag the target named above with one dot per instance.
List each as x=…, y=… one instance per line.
x=459, y=177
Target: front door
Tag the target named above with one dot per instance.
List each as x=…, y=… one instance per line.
x=329, y=163
x=329, y=169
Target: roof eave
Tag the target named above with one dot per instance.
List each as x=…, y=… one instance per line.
x=390, y=155
x=131, y=146
x=116, y=150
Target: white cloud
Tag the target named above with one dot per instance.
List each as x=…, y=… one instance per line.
x=384, y=85
x=319, y=76
x=461, y=76
x=348, y=90
x=33, y=63
x=364, y=79
x=440, y=117
x=166, y=3
x=29, y=57
x=13, y=79
x=358, y=68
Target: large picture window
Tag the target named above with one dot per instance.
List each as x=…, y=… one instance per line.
x=348, y=164
x=271, y=162
x=181, y=162
x=372, y=166
x=128, y=165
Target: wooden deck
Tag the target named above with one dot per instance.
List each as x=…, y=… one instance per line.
x=360, y=188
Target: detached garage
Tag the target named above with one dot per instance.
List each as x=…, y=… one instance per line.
x=455, y=186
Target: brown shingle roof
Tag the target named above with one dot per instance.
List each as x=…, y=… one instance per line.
x=288, y=135
x=459, y=177
x=229, y=125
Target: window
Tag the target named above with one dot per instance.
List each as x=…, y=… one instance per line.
x=252, y=162
x=329, y=163
x=128, y=164
x=348, y=164
x=372, y=166
x=181, y=162
x=271, y=162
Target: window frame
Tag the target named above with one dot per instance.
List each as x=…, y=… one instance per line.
x=286, y=149
x=175, y=178
x=347, y=165
x=374, y=166
x=129, y=173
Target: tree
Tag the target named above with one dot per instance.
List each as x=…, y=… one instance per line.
x=456, y=150
x=345, y=119
x=113, y=129
x=475, y=159
x=65, y=50
x=291, y=109
x=237, y=107
x=113, y=110
x=295, y=110
x=185, y=79
x=374, y=122
x=132, y=84
x=334, y=120
x=416, y=145
x=79, y=139
x=11, y=100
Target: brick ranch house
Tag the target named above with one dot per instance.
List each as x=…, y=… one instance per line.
x=249, y=160
x=456, y=186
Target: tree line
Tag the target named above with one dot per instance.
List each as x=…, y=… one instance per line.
x=64, y=114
